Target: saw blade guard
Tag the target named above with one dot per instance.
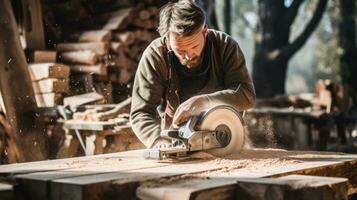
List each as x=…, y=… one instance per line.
x=229, y=123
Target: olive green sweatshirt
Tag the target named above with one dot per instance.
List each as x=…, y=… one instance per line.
x=228, y=83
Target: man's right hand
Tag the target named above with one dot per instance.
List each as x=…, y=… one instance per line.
x=161, y=143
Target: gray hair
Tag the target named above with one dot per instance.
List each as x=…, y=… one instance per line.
x=183, y=17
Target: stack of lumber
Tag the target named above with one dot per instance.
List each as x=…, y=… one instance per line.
x=87, y=57
x=111, y=47
x=118, y=45
x=50, y=80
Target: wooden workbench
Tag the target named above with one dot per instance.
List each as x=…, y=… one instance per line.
x=127, y=174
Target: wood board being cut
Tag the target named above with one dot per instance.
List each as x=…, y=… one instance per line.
x=128, y=175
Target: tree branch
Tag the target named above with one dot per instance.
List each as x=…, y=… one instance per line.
x=292, y=11
x=287, y=51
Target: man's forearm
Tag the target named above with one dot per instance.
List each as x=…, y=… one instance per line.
x=242, y=97
x=146, y=127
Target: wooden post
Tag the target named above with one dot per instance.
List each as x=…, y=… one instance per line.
x=19, y=101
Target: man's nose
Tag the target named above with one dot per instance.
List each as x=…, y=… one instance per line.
x=188, y=56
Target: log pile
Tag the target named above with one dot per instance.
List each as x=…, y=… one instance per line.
x=50, y=80
x=110, y=48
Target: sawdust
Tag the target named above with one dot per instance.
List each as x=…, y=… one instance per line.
x=248, y=160
x=90, y=163
x=202, y=155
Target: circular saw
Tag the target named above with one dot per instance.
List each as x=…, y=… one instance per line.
x=218, y=131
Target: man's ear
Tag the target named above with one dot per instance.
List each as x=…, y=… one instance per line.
x=167, y=41
x=205, y=30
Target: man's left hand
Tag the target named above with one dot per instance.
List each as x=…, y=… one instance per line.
x=192, y=107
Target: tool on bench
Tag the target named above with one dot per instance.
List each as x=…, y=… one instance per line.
x=66, y=113
x=218, y=131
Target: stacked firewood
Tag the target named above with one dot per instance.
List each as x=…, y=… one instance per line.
x=50, y=80
x=111, y=51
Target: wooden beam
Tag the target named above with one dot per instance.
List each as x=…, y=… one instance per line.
x=41, y=71
x=49, y=99
x=19, y=101
x=122, y=174
x=6, y=191
x=44, y=56
x=99, y=69
x=119, y=19
x=115, y=183
x=51, y=85
x=86, y=57
x=99, y=48
x=195, y=188
x=82, y=99
x=126, y=38
x=293, y=187
x=33, y=27
x=288, y=187
x=11, y=170
x=95, y=36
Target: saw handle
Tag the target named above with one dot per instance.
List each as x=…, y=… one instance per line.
x=170, y=134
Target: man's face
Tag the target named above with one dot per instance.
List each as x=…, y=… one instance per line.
x=188, y=49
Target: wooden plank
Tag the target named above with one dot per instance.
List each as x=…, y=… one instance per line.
x=88, y=125
x=189, y=189
x=37, y=184
x=118, y=19
x=249, y=163
x=39, y=71
x=49, y=99
x=115, y=183
x=126, y=38
x=122, y=107
x=44, y=56
x=99, y=69
x=254, y=188
x=20, y=103
x=35, y=36
x=283, y=111
x=82, y=99
x=95, y=36
x=51, y=85
x=60, y=164
x=6, y=191
x=87, y=57
x=293, y=187
x=99, y=48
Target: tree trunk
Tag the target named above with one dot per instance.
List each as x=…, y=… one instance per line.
x=347, y=42
x=269, y=71
x=227, y=16
x=272, y=47
x=211, y=18
x=269, y=76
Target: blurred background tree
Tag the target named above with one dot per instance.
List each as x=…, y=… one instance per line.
x=290, y=44
x=316, y=59
x=273, y=44
x=348, y=49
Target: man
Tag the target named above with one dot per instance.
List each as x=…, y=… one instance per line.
x=186, y=71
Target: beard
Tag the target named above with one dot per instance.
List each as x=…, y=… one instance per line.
x=194, y=62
